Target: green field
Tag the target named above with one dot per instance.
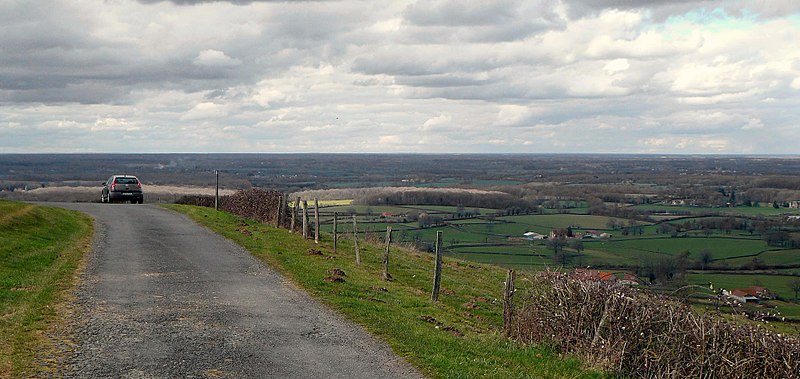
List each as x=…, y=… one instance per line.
x=510, y=255
x=770, y=257
x=552, y=221
x=735, y=211
x=40, y=251
x=497, y=240
x=734, y=248
x=720, y=247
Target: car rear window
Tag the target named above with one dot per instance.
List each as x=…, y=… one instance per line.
x=126, y=181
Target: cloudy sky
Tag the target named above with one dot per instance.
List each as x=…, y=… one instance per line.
x=505, y=76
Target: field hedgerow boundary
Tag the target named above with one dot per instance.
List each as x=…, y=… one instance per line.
x=639, y=334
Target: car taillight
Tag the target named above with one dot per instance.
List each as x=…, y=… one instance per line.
x=113, y=186
x=139, y=184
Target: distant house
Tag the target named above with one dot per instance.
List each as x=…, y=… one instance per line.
x=561, y=233
x=595, y=234
x=592, y=275
x=591, y=234
x=630, y=280
x=605, y=276
x=750, y=294
x=533, y=236
x=794, y=204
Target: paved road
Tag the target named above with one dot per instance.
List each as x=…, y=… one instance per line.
x=163, y=297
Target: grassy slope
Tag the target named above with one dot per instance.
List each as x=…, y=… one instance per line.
x=40, y=251
x=395, y=314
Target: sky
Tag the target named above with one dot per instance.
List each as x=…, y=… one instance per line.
x=432, y=76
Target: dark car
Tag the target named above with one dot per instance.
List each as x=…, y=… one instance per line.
x=122, y=188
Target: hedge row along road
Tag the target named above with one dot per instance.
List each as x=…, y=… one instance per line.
x=164, y=297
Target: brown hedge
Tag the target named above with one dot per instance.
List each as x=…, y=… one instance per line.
x=257, y=204
x=642, y=335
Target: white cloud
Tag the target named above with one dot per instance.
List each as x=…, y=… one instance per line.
x=215, y=58
x=205, y=110
x=390, y=140
x=616, y=65
x=434, y=123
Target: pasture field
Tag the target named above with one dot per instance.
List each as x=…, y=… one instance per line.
x=769, y=257
x=734, y=249
x=513, y=260
x=733, y=211
x=371, y=210
x=719, y=247
x=561, y=220
x=779, y=284
x=446, y=209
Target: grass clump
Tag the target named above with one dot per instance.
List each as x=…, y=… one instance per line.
x=40, y=251
x=458, y=337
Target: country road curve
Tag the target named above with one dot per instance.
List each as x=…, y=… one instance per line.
x=163, y=297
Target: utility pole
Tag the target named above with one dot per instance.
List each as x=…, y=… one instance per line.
x=216, y=192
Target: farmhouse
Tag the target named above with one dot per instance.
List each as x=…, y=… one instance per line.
x=750, y=294
x=595, y=234
x=794, y=204
x=561, y=233
x=533, y=236
x=630, y=280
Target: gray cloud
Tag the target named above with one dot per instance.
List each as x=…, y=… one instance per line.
x=505, y=76
x=663, y=9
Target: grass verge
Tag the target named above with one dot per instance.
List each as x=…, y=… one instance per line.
x=40, y=251
x=457, y=337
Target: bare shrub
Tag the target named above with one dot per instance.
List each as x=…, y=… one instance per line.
x=642, y=335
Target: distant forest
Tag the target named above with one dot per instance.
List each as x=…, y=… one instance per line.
x=529, y=179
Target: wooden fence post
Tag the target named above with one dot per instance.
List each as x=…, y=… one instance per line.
x=279, y=211
x=294, y=214
x=355, y=240
x=305, y=219
x=335, y=230
x=508, y=303
x=386, y=275
x=316, y=221
x=284, y=206
x=437, y=274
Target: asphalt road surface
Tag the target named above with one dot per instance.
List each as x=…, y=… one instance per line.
x=163, y=297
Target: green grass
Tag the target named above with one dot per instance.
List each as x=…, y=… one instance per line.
x=395, y=314
x=719, y=247
x=40, y=250
x=735, y=211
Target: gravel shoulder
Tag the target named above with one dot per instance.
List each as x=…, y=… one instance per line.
x=164, y=297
